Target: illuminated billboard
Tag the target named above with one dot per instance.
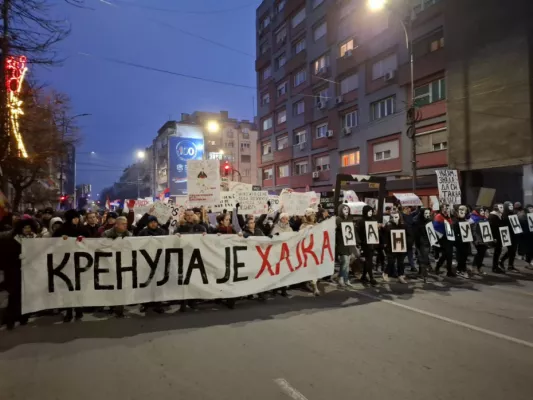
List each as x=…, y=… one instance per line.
x=181, y=150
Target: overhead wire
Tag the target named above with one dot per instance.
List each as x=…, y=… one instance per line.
x=176, y=11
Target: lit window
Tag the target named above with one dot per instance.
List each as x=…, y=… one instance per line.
x=382, y=108
x=322, y=131
x=283, y=171
x=298, y=18
x=349, y=83
x=301, y=168
x=282, y=89
x=381, y=67
x=321, y=64
x=320, y=31
x=345, y=47
x=300, y=77
x=267, y=148
x=267, y=123
x=430, y=93
x=351, y=158
x=350, y=120
x=268, y=173
x=281, y=117
x=436, y=44
x=299, y=108
x=299, y=46
x=322, y=163
x=299, y=137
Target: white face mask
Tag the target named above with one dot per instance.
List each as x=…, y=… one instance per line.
x=461, y=212
x=345, y=211
x=395, y=218
x=510, y=206
x=500, y=208
x=427, y=214
x=369, y=213
x=530, y=210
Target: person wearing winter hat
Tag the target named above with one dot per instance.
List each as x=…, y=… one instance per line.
x=71, y=227
x=283, y=225
x=109, y=223
x=309, y=219
x=53, y=225
x=152, y=228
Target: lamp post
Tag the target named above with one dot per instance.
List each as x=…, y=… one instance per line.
x=141, y=155
x=379, y=5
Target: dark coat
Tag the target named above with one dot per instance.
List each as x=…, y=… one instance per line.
x=257, y=232
x=152, y=232
x=92, y=231
x=419, y=230
x=341, y=248
x=187, y=228
x=70, y=230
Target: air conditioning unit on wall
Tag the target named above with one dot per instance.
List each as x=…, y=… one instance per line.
x=316, y=175
x=389, y=75
x=329, y=134
x=346, y=131
x=321, y=105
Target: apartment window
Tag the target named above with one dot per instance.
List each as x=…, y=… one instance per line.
x=281, y=61
x=421, y=5
x=433, y=41
x=382, y=108
x=282, y=142
x=265, y=99
x=229, y=133
x=245, y=146
x=321, y=131
x=299, y=108
x=264, y=47
x=440, y=146
x=267, y=148
x=430, y=93
x=229, y=144
x=320, y=31
x=299, y=137
x=298, y=18
x=268, y=173
x=436, y=44
x=349, y=83
x=246, y=172
x=266, y=73
x=321, y=64
x=280, y=5
x=350, y=120
x=322, y=163
x=281, y=117
x=267, y=123
x=350, y=158
x=348, y=45
x=299, y=46
x=300, y=77
x=301, y=168
x=322, y=96
x=386, y=150
x=381, y=67
x=283, y=171
x=265, y=21
x=281, y=35
x=282, y=89
x=246, y=158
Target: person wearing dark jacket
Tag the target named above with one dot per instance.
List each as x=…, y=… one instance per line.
x=251, y=230
x=421, y=239
x=224, y=225
x=191, y=224
x=91, y=227
x=109, y=222
x=24, y=229
x=408, y=217
x=395, y=260
x=446, y=246
x=479, y=215
x=527, y=236
x=152, y=228
x=496, y=222
x=508, y=209
x=367, y=249
x=461, y=247
x=342, y=250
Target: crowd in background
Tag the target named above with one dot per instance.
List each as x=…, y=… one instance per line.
x=360, y=261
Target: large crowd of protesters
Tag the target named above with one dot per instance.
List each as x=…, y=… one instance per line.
x=355, y=262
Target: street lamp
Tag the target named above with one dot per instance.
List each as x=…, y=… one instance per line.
x=140, y=157
x=213, y=126
x=376, y=6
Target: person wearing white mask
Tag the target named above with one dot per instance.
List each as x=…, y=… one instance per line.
x=395, y=260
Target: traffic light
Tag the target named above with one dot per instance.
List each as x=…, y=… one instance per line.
x=62, y=199
x=226, y=168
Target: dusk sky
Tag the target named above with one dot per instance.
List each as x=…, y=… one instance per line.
x=129, y=104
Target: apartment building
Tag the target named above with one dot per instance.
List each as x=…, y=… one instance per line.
x=333, y=84
x=233, y=142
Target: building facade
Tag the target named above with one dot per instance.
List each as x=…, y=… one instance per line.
x=233, y=143
x=333, y=87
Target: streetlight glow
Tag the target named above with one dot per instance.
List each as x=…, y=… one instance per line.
x=221, y=151
x=213, y=126
x=141, y=154
x=376, y=5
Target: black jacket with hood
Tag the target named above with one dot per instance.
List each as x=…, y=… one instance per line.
x=341, y=248
x=419, y=229
x=68, y=228
x=361, y=228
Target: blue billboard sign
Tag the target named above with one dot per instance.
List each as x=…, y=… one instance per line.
x=181, y=150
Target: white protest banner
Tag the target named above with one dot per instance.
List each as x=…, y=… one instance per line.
x=408, y=199
x=356, y=208
x=486, y=232
x=240, y=187
x=349, y=196
x=448, y=183
x=515, y=224
x=432, y=234
x=203, y=182
x=227, y=202
x=181, y=203
x=372, y=202
x=59, y=273
x=450, y=235
x=314, y=200
x=371, y=229
x=142, y=206
x=485, y=197
x=161, y=211
x=295, y=203
x=505, y=236
x=348, y=233
x=530, y=221
x=274, y=202
x=252, y=202
x=466, y=232
x=398, y=239
x=435, y=205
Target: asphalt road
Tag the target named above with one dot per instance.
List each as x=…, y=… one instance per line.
x=460, y=339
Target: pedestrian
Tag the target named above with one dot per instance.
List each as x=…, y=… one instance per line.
x=54, y=224
x=479, y=215
x=342, y=251
x=510, y=254
x=496, y=222
x=224, y=226
x=395, y=260
x=46, y=216
x=446, y=246
x=91, y=225
x=191, y=224
x=408, y=216
x=461, y=247
x=152, y=228
x=25, y=229
x=367, y=249
x=422, y=242
x=283, y=225
x=109, y=221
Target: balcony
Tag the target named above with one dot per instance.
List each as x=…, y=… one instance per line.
x=297, y=61
x=268, y=183
x=428, y=64
x=301, y=181
x=266, y=158
x=263, y=60
x=291, y=7
x=429, y=13
x=283, y=155
x=317, y=79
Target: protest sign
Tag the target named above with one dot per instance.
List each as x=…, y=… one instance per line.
x=348, y=233
x=356, y=208
x=161, y=211
x=371, y=229
x=515, y=224
x=59, y=273
x=486, y=232
x=274, y=202
x=398, y=239
x=142, y=206
x=295, y=203
x=240, y=187
x=203, y=182
x=314, y=200
x=448, y=183
x=485, y=197
x=252, y=202
x=450, y=235
x=372, y=202
x=349, y=196
x=432, y=234
x=181, y=203
x=466, y=232
x=227, y=202
x=505, y=236
x=530, y=221
x=434, y=203
x=408, y=199
x=387, y=205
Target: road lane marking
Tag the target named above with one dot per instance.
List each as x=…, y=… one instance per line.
x=289, y=390
x=452, y=321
